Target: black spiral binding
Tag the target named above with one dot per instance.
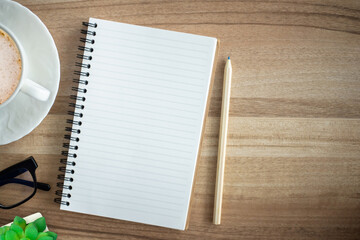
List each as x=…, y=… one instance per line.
x=74, y=130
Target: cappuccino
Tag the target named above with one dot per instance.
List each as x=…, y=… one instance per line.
x=10, y=66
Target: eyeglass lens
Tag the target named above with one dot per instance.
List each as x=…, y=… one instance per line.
x=16, y=186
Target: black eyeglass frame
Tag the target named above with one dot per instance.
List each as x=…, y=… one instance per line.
x=8, y=176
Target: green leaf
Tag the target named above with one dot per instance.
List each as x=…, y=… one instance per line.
x=46, y=238
x=52, y=234
x=43, y=234
x=2, y=237
x=11, y=235
x=4, y=229
x=17, y=229
x=40, y=224
x=31, y=231
x=24, y=239
x=20, y=221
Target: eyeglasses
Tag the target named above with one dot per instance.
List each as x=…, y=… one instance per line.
x=18, y=183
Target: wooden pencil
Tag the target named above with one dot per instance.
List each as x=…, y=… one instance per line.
x=219, y=185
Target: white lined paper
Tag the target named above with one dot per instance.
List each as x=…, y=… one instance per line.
x=141, y=125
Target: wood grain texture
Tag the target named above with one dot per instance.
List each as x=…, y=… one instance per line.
x=293, y=155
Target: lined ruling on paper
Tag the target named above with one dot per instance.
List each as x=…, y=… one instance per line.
x=141, y=123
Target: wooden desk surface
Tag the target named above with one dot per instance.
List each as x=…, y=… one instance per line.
x=293, y=156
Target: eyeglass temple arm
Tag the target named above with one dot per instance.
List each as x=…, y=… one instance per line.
x=40, y=185
x=12, y=175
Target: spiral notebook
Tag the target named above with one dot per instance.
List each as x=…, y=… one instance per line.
x=141, y=102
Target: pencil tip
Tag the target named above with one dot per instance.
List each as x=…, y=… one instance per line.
x=229, y=57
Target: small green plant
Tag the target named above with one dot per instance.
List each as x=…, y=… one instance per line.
x=19, y=230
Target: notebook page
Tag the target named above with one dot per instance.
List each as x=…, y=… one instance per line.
x=141, y=126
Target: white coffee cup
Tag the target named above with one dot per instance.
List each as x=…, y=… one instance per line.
x=26, y=85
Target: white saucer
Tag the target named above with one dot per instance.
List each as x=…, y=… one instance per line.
x=24, y=113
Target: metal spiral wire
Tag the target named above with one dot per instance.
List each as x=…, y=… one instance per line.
x=67, y=169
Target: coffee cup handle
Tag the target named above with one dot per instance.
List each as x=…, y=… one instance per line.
x=35, y=90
